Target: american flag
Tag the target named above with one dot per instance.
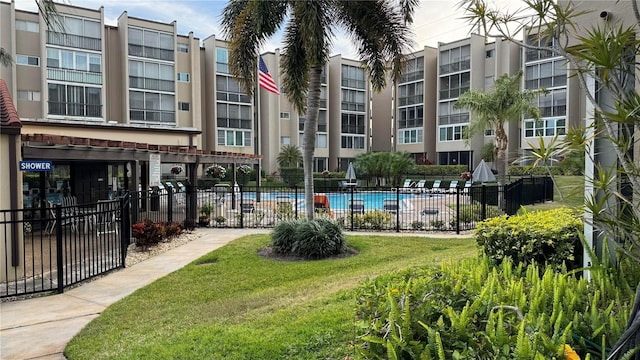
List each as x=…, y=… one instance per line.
x=265, y=80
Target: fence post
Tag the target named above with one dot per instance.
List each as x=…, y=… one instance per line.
x=397, y=209
x=125, y=227
x=295, y=189
x=169, y=204
x=241, y=187
x=351, y=206
x=483, y=201
x=457, y=210
x=59, y=249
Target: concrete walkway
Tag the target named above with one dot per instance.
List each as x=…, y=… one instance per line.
x=40, y=328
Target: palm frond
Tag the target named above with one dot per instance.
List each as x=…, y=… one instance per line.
x=5, y=58
x=49, y=13
x=295, y=67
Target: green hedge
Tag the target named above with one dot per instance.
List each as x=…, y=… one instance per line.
x=551, y=237
x=437, y=170
x=470, y=310
x=540, y=170
x=292, y=176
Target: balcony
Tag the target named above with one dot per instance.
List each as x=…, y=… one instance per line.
x=151, y=52
x=74, y=41
x=156, y=116
x=75, y=109
x=455, y=66
x=74, y=76
x=410, y=100
x=151, y=84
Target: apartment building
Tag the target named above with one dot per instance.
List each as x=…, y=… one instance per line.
x=469, y=64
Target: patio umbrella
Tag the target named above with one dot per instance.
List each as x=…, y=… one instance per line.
x=483, y=173
x=351, y=173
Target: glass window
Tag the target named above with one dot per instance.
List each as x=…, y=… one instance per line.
x=135, y=36
x=73, y=26
x=25, y=25
x=152, y=70
x=166, y=72
x=27, y=60
x=81, y=62
x=92, y=29
x=166, y=41
x=150, y=39
x=285, y=140
x=67, y=59
x=184, y=106
x=184, y=48
x=167, y=102
x=95, y=62
x=184, y=77
x=53, y=58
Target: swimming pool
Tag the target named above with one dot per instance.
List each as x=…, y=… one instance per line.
x=338, y=201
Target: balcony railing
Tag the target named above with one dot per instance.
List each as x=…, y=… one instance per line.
x=74, y=76
x=412, y=76
x=74, y=109
x=151, y=52
x=410, y=100
x=151, y=84
x=152, y=116
x=456, y=66
x=453, y=119
x=75, y=41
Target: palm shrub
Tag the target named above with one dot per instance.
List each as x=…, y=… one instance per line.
x=311, y=239
x=318, y=238
x=543, y=237
x=283, y=236
x=472, y=310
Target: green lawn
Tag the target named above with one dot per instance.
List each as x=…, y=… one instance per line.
x=233, y=304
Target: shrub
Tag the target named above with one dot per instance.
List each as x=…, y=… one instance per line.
x=470, y=213
x=316, y=239
x=453, y=171
x=541, y=237
x=283, y=236
x=469, y=310
x=292, y=176
x=146, y=233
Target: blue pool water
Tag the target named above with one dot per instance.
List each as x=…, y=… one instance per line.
x=372, y=200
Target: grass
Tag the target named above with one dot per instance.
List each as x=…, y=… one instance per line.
x=572, y=189
x=234, y=304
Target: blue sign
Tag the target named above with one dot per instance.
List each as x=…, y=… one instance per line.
x=36, y=165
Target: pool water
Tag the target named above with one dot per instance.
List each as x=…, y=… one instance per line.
x=372, y=200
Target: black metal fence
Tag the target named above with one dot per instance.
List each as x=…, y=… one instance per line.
x=51, y=247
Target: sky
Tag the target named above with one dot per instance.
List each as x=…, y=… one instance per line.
x=435, y=20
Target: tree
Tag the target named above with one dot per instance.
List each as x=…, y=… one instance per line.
x=384, y=165
x=506, y=102
x=290, y=156
x=378, y=28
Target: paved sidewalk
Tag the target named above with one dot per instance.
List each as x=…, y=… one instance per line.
x=41, y=327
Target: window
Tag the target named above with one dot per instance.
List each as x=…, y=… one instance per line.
x=151, y=76
x=353, y=123
x=353, y=77
x=284, y=115
x=151, y=107
x=410, y=136
x=456, y=59
x=352, y=142
x=234, y=138
x=448, y=115
x=183, y=48
x=414, y=70
x=321, y=140
x=235, y=116
x=228, y=89
x=453, y=133
x=410, y=117
x=222, y=60
x=489, y=132
x=25, y=25
x=453, y=85
x=547, y=75
x=184, y=106
x=183, y=77
x=27, y=60
x=285, y=140
x=74, y=60
x=544, y=127
x=411, y=94
x=71, y=100
x=353, y=100
x=151, y=44
x=552, y=104
x=490, y=53
x=28, y=95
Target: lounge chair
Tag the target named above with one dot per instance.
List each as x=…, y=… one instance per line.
x=106, y=217
x=357, y=206
x=419, y=187
x=435, y=188
x=248, y=206
x=467, y=187
x=453, y=187
x=390, y=205
x=406, y=187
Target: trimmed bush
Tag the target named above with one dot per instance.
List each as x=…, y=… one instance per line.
x=438, y=170
x=470, y=310
x=292, y=176
x=517, y=170
x=316, y=239
x=543, y=237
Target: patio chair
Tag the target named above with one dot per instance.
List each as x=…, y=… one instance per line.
x=248, y=206
x=390, y=205
x=356, y=206
x=106, y=218
x=435, y=188
x=467, y=187
x=419, y=187
x=453, y=187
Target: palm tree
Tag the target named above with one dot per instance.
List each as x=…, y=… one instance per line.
x=492, y=109
x=378, y=28
x=290, y=156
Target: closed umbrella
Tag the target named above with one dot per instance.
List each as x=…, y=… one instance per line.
x=351, y=174
x=483, y=173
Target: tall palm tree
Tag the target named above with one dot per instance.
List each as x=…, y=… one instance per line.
x=379, y=29
x=289, y=156
x=506, y=102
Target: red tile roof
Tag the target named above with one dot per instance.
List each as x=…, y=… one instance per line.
x=8, y=114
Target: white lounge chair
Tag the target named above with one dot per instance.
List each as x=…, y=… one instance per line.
x=435, y=188
x=419, y=188
x=453, y=187
x=467, y=187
